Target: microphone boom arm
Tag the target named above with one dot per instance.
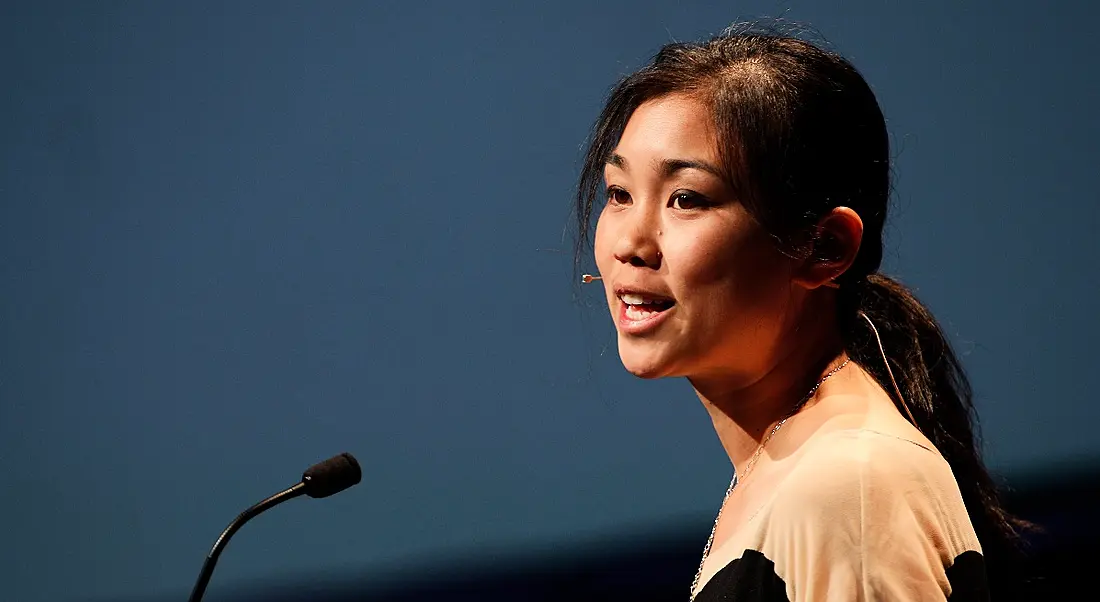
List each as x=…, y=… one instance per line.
x=242, y=518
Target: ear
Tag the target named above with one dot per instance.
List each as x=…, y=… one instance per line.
x=835, y=243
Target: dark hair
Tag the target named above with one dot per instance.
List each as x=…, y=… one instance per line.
x=799, y=133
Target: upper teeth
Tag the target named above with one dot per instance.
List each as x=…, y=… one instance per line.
x=634, y=299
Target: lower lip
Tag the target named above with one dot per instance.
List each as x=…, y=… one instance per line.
x=647, y=324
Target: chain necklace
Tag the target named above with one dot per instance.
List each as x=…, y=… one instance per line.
x=749, y=466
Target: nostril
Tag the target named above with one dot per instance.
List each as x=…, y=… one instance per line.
x=637, y=262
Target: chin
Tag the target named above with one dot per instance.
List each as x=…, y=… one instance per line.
x=644, y=365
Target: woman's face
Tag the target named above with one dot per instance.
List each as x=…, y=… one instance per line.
x=696, y=288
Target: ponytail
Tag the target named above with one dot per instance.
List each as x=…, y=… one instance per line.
x=936, y=395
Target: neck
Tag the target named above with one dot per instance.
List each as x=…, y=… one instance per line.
x=743, y=414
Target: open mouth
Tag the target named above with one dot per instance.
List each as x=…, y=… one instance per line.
x=640, y=307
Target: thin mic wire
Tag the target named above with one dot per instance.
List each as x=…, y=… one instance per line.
x=882, y=350
x=590, y=278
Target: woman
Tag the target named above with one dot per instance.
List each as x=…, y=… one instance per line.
x=744, y=186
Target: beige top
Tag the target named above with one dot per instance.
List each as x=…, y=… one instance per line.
x=856, y=514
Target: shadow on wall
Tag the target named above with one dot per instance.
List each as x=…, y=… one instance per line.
x=657, y=566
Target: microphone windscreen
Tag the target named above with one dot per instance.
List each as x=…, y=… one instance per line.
x=332, y=476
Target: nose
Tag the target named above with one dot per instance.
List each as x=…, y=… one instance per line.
x=637, y=243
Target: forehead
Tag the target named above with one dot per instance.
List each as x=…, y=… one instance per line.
x=674, y=126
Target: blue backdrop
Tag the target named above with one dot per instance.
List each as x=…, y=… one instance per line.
x=238, y=238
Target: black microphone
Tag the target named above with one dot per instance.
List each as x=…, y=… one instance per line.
x=320, y=480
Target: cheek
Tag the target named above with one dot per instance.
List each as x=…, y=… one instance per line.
x=742, y=275
x=601, y=243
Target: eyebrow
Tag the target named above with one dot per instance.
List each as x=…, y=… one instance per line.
x=668, y=167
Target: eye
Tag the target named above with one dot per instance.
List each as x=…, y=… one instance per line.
x=617, y=196
x=686, y=199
